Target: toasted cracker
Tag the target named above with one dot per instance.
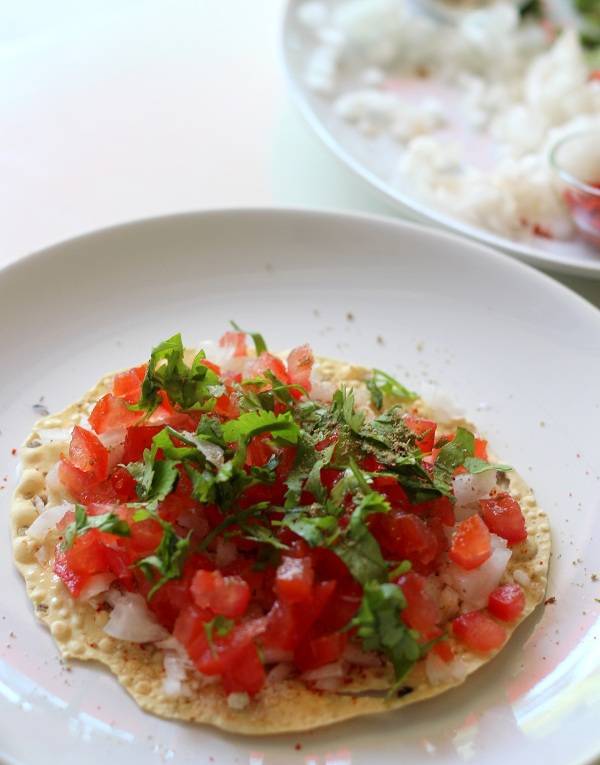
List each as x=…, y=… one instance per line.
x=76, y=626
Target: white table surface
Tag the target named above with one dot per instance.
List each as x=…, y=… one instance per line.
x=113, y=110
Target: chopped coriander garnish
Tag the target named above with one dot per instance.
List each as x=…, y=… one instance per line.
x=108, y=522
x=381, y=384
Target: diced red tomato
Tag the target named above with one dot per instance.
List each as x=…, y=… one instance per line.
x=480, y=449
x=267, y=362
x=440, y=508
x=423, y=429
x=123, y=484
x=88, y=454
x=294, y=579
x=319, y=651
x=299, y=364
x=138, y=438
x=227, y=406
x=75, y=481
x=72, y=581
x=404, y=536
x=209, y=365
x=86, y=557
x=471, y=544
x=128, y=385
x=503, y=516
x=479, y=631
x=111, y=412
x=392, y=491
x=421, y=612
x=235, y=340
x=227, y=595
x=259, y=451
x=245, y=672
x=507, y=602
x=443, y=649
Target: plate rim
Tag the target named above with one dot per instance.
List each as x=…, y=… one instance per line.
x=384, y=190
x=558, y=290
x=266, y=211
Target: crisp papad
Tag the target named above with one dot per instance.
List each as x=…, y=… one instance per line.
x=283, y=707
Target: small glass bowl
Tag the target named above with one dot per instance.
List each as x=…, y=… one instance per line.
x=576, y=160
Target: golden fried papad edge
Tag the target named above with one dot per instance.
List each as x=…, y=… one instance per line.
x=287, y=706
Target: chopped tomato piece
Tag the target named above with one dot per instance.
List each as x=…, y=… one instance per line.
x=300, y=363
x=404, y=536
x=209, y=365
x=227, y=595
x=235, y=340
x=317, y=652
x=88, y=454
x=507, y=602
x=111, y=412
x=423, y=429
x=259, y=452
x=138, y=438
x=503, y=516
x=421, y=612
x=245, y=672
x=294, y=579
x=471, y=544
x=128, y=385
x=440, y=508
x=480, y=449
x=267, y=362
x=392, y=491
x=479, y=631
x=75, y=481
x=443, y=649
x=123, y=484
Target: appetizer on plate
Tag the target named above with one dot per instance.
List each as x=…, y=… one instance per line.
x=272, y=543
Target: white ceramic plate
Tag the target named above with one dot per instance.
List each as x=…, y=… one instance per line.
x=507, y=344
x=374, y=160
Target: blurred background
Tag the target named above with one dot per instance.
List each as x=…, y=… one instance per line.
x=126, y=109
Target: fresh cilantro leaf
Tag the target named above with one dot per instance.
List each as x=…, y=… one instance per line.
x=381, y=629
x=231, y=520
x=190, y=387
x=452, y=455
x=401, y=568
x=262, y=534
x=343, y=409
x=154, y=478
x=474, y=465
x=259, y=344
x=210, y=429
x=251, y=424
x=220, y=626
x=358, y=548
x=380, y=384
x=108, y=522
x=167, y=560
x=317, y=531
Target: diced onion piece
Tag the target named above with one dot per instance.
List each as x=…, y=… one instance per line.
x=50, y=435
x=175, y=674
x=226, y=552
x=276, y=655
x=131, y=620
x=238, y=701
x=328, y=684
x=440, y=672
x=321, y=390
x=279, y=673
x=354, y=655
x=212, y=452
x=327, y=672
x=47, y=520
x=96, y=584
x=475, y=586
x=468, y=489
x=114, y=441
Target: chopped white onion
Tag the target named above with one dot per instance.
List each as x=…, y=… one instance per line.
x=521, y=577
x=212, y=452
x=468, y=489
x=226, y=552
x=238, y=701
x=47, y=520
x=474, y=587
x=440, y=672
x=439, y=405
x=279, y=673
x=354, y=655
x=175, y=674
x=53, y=483
x=38, y=503
x=131, y=620
x=96, y=584
x=114, y=441
x=41, y=555
x=190, y=519
x=327, y=672
x=276, y=655
x=50, y=435
x=328, y=684
x=321, y=390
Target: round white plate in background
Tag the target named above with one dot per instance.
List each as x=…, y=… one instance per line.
x=375, y=159
x=517, y=352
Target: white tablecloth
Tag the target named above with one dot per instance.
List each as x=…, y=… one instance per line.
x=119, y=109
